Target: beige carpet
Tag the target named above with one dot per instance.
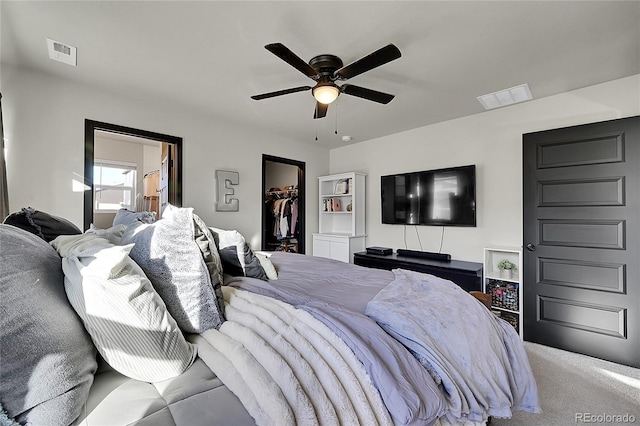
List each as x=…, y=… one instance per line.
x=577, y=389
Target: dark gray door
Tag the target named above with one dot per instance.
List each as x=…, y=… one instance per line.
x=582, y=239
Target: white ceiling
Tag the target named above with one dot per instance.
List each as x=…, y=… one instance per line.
x=209, y=56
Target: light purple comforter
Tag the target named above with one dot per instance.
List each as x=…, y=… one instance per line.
x=337, y=294
x=479, y=357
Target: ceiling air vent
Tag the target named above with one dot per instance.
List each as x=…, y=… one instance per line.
x=61, y=52
x=505, y=97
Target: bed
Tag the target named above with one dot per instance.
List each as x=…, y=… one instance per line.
x=324, y=343
x=398, y=384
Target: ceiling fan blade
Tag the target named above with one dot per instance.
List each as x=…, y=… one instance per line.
x=283, y=52
x=321, y=110
x=280, y=92
x=373, y=60
x=371, y=95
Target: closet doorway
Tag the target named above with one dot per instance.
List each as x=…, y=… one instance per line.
x=283, y=192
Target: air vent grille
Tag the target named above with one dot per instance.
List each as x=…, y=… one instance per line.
x=512, y=95
x=62, y=48
x=61, y=52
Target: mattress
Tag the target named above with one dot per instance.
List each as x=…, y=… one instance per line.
x=196, y=397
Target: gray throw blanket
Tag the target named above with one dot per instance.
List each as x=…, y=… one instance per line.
x=478, y=357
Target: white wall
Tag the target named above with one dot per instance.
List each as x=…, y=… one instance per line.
x=493, y=141
x=44, y=125
x=279, y=175
x=152, y=159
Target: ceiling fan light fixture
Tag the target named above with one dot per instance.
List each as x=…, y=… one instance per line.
x=325, y=94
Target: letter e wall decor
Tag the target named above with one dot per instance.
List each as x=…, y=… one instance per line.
x=224, y=201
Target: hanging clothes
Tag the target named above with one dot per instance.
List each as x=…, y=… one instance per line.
x=294, y=215
x=283, y=208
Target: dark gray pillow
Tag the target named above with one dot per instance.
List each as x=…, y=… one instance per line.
x=48, y=359
x=238, y=259
x=179, y=256
x=42, y=224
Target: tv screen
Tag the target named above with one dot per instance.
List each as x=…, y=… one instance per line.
x=430, y=197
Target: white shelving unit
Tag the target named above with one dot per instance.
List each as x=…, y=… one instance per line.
x=505, y=291
x=341, y=227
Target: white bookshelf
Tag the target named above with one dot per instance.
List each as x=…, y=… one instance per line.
x=506, y=291
x=341, y=227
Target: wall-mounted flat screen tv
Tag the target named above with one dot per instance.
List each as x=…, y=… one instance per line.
x=443, y=197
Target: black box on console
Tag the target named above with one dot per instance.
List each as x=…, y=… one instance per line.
x=382, y=251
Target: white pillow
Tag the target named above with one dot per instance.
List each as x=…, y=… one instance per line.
x=126, y=319
x=236, y=255
x=267, y=265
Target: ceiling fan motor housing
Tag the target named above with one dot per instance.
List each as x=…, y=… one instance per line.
x=326, y=65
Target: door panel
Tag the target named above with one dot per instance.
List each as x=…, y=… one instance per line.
x=581, y=195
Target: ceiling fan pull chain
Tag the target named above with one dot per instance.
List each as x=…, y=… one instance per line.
x=336, y=130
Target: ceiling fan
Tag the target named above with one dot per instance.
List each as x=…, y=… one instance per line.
x=327, y=69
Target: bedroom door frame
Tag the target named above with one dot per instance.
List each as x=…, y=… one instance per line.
x=301, y=198
x=175, y=166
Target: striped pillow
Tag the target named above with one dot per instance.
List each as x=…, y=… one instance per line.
x=126, y=319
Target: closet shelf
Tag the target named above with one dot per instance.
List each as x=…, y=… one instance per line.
x=283, y=192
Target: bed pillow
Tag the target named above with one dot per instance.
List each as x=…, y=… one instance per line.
x=127, y=217
x=113, y=234
x=267, y=265
x=179, y=256
x=127, y=320
x=42, y=224
x=48, y=359
x=237, y=257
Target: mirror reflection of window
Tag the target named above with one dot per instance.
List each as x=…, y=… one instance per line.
x=445, y=189
x=114, y=186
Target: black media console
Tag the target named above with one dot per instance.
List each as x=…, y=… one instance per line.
x=467, y=275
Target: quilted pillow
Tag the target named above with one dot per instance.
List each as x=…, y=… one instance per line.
x=179, y=256
x=48, y=359
x=42, y=224
x=127, y=320
x=237, y=257
x=127, y=217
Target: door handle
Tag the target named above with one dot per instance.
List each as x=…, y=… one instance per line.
x=531, y=247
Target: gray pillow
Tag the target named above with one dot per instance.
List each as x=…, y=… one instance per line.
x=179, y=256
x=113, y=234
x=48, y=359
x=127, y=217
